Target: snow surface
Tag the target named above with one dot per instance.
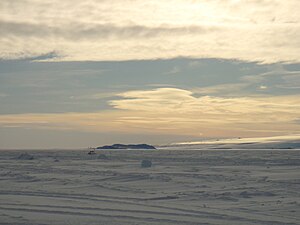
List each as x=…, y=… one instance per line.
x=234, y=187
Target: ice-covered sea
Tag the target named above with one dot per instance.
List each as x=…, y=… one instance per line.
x=231, y=187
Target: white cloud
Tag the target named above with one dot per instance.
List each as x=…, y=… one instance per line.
x=180, y=110
x=263, y=87
x=166, y=100
x=266, y=31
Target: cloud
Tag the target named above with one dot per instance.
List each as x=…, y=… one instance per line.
x=182, y=101
x=125, y=30
x=179, y=110
x=224, y=89
x=100, y=121
x=176, y=111
x=82, y=31
x=263, y=87
x=195, y=64
x=174, y=70
x=277, y=80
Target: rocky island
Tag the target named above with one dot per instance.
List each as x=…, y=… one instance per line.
x=130, y=146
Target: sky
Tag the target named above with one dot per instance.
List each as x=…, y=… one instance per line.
x=87, y=73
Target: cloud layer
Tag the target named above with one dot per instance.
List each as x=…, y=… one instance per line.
x=176, y=101
x=177, y=112
x=266, y=31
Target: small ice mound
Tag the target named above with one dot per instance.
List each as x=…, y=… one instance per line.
x=146, y=163
x=102, y=156
x=245, y=194
x=25, y=156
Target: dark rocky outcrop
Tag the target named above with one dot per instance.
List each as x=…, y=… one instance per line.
x=122, y=146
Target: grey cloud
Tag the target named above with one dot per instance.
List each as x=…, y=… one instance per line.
x=46, y=56
x=87, y=31
x=278, y=79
